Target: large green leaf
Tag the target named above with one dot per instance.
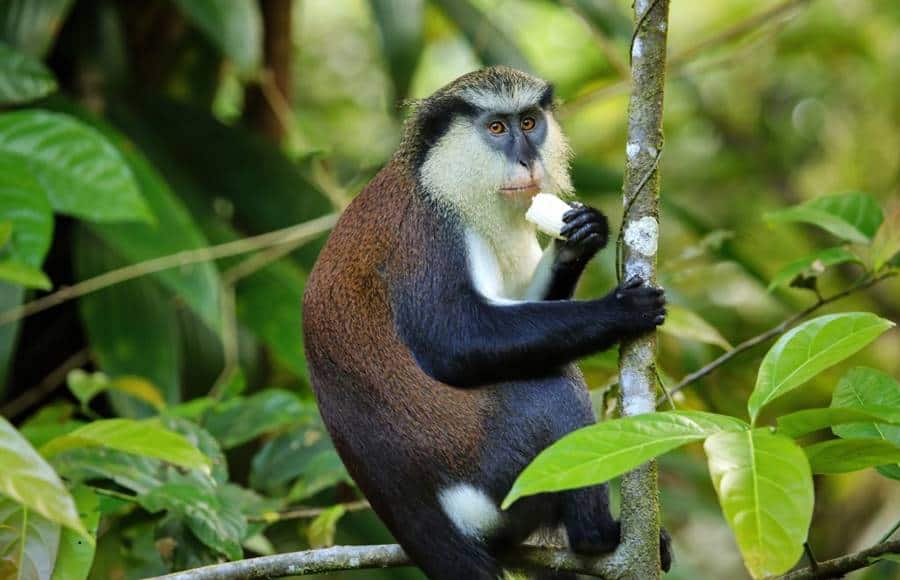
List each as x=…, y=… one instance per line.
x=806, y=421
x=219, y=525
x=111, y=317
x=80, y=171
x=145, y=438
x=810, y=348
x=24, y=205
x=854, y=217
x=27, y=541
x=235, y=26
x=843, y=455
x=765, y=488
x=31, y=25
x=76, y=553
x=812, y=266
x=241, y=419
x=684, y=323
x=401, y=24
x=864, y=389
x=606, y=450
x=22, y=78
x=23, y=275
x=490, y=43
x=29, y=480
x=886, y=244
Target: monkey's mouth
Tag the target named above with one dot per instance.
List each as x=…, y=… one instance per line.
x=521, y=192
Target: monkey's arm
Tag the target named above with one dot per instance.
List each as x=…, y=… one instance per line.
x=460, y=338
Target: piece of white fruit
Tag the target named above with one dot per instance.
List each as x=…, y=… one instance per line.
x=546, y=212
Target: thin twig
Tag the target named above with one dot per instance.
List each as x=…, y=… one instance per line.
x=300, y=232
x=49, y=384
x=305, y=513
x=837, y=567
x=686, y=56
x=890, y=533
x=772, y=332
x=115, y=494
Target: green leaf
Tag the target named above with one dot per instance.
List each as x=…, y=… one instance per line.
x=22, y=78
x=844, y=455
x=242, y=419
x=6, y=228
x=219, y=525
x=29, y=480
x=684, y=323
x=492, y=44
x=321, y=530
x=765, y=488
x=24, y=205
x=323, y=470
x=81, y=172
x=805, y=351
x=76, y=553
x=400, y=23
x=854, y=217
x=600, y=452
x=235, y=26
x=864, y=389
x=812, y=266
x=145, y=438
x=24, y=275
x=110, y=317
x=806, y=421
x=886, y=244
x=28, y=541
x=31, y=25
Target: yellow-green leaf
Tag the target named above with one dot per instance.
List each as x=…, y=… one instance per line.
x=684, y=323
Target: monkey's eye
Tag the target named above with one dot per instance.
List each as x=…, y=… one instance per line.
x=496, y=127
x=528, y=123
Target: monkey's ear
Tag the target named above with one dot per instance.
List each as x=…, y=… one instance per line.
x=546, y=101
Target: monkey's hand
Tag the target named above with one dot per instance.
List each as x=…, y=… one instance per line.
x=586, y=231
x=639, y=306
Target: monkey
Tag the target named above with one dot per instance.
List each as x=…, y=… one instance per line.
x=441, y=339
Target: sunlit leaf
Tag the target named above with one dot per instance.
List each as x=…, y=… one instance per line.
x=843, y=455
x=765, y=488
x=85, y=386
x=76, y=553
x=806, y=421
x=24, y=275
x=235, y=26
x=22, y=78
x=321, y=530
x=28, y=479
x=80, y=171
x=27, y=540
x=863, y=389
x=809, y=349
x=145, y=438
x=684, y=323
x=600, y=452
x=813, y=265
x=886, y=244
x=854, y=217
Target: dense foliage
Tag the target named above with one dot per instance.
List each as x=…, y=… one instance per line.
x=168, y=171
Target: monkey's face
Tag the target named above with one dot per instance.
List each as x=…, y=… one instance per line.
x=492, y=148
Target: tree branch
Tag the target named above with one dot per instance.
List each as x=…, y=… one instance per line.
x=839, y=566
x=389, y=556
x=640, y=222
x=771, y=333
x=291, y=235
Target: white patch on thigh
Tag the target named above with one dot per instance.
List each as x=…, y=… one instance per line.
x=470, y=509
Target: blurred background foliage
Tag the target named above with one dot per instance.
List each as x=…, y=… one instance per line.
x=227, y=120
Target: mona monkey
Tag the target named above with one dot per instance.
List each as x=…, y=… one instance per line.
x=441, y=339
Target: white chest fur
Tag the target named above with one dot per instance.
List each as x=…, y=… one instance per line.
x=502, y=269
